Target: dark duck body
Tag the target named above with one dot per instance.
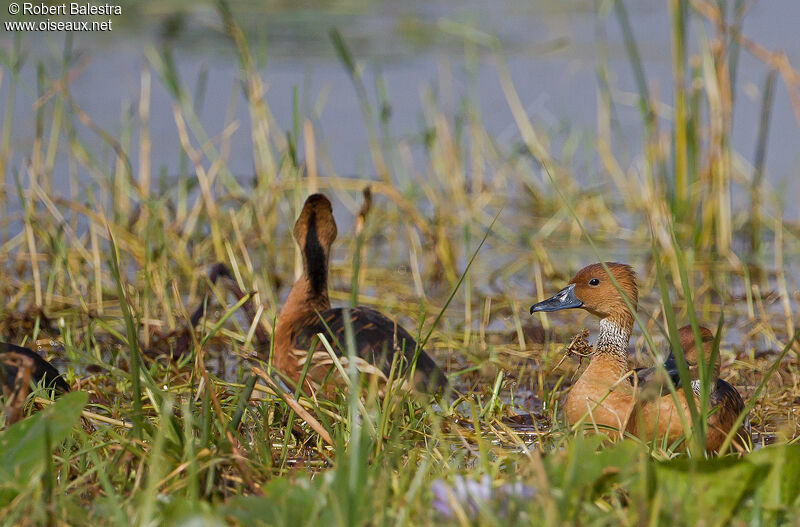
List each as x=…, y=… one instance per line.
x=379, y=341
x=14, y=359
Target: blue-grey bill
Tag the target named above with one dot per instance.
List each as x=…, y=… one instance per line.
x=564, y=299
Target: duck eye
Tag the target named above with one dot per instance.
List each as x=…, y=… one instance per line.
x=594, y=281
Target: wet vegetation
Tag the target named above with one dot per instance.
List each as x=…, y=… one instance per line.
x=168, y=422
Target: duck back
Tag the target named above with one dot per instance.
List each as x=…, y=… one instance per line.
x=379, y=341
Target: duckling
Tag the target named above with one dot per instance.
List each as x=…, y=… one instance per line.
x=14, y=358
x=379, y=341
x=659, y=419
x=599, y=397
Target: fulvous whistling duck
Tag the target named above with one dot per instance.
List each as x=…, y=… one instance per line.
x=21, y=367
x=598, y=397
x=658, y=418
x=379, y=341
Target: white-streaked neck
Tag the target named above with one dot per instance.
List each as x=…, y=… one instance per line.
x=613, y=338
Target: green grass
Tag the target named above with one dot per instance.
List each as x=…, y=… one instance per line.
x=176, y=424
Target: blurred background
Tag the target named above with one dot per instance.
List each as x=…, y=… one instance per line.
x=414, y=55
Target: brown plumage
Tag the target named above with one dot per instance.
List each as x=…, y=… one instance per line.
x=658, y=418
x=379, y=341
x=602, y=397
x=598, y=397
x=653, y=381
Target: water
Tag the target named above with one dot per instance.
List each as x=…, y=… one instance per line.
x=550, y=50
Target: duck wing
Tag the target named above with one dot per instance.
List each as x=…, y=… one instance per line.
x=379, y=341
x=727, y=398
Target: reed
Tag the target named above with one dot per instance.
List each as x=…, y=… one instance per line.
x=171, y=424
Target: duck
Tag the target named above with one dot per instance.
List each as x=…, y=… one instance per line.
x=657, y=417
x=22, y=366
x=379, y=341
x=653, y=380
x=601, y=398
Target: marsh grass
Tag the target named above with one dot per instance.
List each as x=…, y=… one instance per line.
x=169, y=423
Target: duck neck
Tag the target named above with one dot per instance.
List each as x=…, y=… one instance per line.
x=309, y=293
x=315, y=264
x=612, y=342
x=302, y=301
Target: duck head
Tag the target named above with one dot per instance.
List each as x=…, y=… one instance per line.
x=315, y=225
x=686, y=337
x=593, y=290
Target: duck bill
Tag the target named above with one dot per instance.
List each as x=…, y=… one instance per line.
x=564, y=299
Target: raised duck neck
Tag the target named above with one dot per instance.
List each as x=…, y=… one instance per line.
x=303, y=297
x=309, y=293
